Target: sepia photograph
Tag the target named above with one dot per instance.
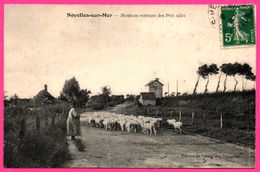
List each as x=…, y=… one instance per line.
x=129, y=86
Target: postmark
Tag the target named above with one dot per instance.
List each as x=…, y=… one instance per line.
x=213, y=14
x=238, y=25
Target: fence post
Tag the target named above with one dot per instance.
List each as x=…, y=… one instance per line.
x=204, y=119
x=63, y=114
x=22, y=127
x=192, y=118
x=46, y=118
x=179, y=116
x=221, y=121
x=53, y=119
x=247, y=125
x=38, y=122
x=157, y=113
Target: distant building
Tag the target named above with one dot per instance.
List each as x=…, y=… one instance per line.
x=155, y=86
x=44, y=98
x=147, y=98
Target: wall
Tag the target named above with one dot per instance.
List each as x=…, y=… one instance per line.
x=148, y=102
x=157, y=90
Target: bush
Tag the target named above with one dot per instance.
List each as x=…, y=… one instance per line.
x=46, y=147
x=98, y=106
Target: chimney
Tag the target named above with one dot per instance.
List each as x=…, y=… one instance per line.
x=157, y=79
x=45, y=87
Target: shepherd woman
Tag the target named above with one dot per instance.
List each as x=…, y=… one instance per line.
x=73, y=122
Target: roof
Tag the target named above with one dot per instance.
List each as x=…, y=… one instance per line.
x=44, y=97
x=148, y=95
x=156, y=80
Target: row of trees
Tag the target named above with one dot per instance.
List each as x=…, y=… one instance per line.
x=227, y=69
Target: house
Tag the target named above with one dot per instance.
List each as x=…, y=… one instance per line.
x=147, y=98
x=156, y=87
x=44, y=98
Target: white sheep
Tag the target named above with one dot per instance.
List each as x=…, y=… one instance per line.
x=149, y=128
x=175, y=124
x=129, y=123
x=171, y=121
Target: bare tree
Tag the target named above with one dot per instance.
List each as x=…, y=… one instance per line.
x=219, y=77
x=236, y=69
x=225, y=69
x=212, y=69
x=202, y=72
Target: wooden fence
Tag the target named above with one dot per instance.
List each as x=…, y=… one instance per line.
x=21, y=120
x=198, y=118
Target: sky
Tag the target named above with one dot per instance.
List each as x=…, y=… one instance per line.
x=44, y=46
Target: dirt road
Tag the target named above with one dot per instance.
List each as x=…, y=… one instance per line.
x=121, y=149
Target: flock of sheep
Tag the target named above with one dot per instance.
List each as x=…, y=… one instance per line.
x=129, y=123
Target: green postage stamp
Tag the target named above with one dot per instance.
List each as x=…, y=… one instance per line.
x=238, y=25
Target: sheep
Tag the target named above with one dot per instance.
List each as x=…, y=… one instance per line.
x=122, y=124
x=175, y=124
x=131, y=126
x=129, y=123
x=150, y=127
x=98, y=122
x=171, y=121
x=91, y=120
x=108, y=124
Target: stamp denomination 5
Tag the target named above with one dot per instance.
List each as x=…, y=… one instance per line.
x=238, y=25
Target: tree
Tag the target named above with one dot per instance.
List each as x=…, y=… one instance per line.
x=71, y=92
x=212, y=69
x=247, y=74
x=225, y=69
x=250, y=76
x=246, y=69
x=236, y=69
x=130, y=97
x=83, y=97
x=219, y=77
x=172, y=94
x=6, y=102
x=71, y=89
x=106, y=91
x=63, y=97
x=14, y=99
x=202, y=72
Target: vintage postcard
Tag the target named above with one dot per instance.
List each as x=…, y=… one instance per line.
x=129, y=86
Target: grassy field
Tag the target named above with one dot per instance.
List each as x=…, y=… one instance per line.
x=237, y=109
